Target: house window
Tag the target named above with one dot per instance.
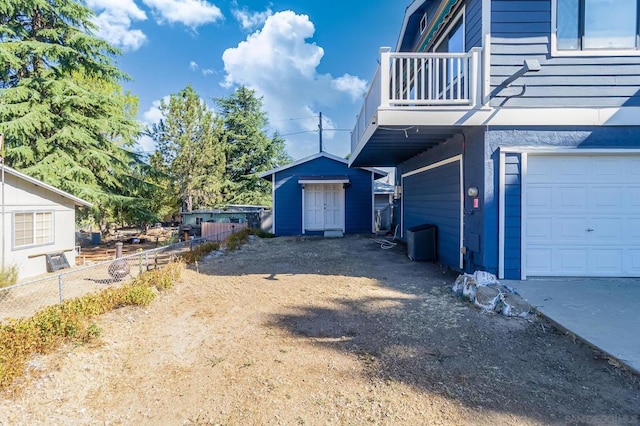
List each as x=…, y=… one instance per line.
x=423, y=23
x=198, y=221
x=33, y=228
x=596, y=24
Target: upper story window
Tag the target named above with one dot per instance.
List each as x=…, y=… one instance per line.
x=596, y=25
x=423, y=23
x=32, y=228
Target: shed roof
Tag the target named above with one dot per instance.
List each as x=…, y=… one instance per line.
x=377, y=172
x=77, y=201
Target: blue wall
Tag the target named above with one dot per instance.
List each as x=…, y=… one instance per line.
x=288, y=196
x=578, y=138
x=521, y=29
x=471, y=146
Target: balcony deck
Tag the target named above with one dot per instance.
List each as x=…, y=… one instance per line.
x=415, y=100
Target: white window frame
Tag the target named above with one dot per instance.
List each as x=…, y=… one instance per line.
x=591, y=52
x=423, y=23
x=48, y=241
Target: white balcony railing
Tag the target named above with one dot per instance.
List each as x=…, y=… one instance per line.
x=421, y=80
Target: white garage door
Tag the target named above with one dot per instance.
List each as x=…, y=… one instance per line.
x=582, y=215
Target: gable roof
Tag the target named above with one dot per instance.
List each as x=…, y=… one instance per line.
x=77, y=201
x=377, y=172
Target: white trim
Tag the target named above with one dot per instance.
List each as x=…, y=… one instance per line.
x=373, y=206
x=450, y=160
x=303, y=181
x=461, y=212
x=567, y=151
x=486, y=50
x=273, y=202
x=504, y=116
x=450, y=25
x=304, y=206
x=501, y=213
x=523, y=213
x=433, y=166
x=591, y=52
x=344, y=209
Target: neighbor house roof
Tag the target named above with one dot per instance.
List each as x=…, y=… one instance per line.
x=77, y=201
x=377, y=172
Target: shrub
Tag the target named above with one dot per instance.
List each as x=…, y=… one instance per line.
x=71, y=320
x=8, y=276
x=200, y=251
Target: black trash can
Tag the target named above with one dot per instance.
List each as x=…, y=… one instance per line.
x=422, y=242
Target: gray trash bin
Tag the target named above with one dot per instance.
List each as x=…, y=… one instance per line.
x=422, y=242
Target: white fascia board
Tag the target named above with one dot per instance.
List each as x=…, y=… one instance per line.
x=487, y=116
x=303, y=181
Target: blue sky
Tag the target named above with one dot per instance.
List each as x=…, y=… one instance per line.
x=303, y=57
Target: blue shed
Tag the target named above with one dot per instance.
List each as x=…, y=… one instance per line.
x=321, y=193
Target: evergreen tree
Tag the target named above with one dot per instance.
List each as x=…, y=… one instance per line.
x=62, y=110
x=249, y=150
x=190, y=151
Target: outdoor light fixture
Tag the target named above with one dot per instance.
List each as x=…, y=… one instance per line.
x=473, y=192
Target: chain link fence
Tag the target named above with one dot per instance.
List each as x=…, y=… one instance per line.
x=26, y=298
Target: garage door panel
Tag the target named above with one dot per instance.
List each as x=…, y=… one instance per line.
x=607, y=261
x=606, y=230
x=538, y=260
x=570, y=230
x=570, y=198
x=539, y=198
x=571, y=259
x=632, y=262
x=582, y=215
x=632, y=198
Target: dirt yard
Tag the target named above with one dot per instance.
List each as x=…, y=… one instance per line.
x=322, y=331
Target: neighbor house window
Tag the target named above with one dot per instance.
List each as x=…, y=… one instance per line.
x=597, y=24
x=33, y=228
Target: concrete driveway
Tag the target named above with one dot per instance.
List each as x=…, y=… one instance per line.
x=605, y=312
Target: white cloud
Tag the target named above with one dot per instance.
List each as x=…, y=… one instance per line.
x=279, y=63
x=153, y=114
x=207, y=71
x=193, y=65
x=354, y=86
x=192, y=13
x=251, y=20
x=114, y=19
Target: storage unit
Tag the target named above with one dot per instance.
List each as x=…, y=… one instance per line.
x=422, y=242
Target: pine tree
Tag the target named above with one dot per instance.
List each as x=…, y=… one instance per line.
x=249, y=149
x=190, y=151
x=65, y=118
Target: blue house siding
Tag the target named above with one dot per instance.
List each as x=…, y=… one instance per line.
x=522, y=30
x=433, y=196
x=288, y=196
x=438, y=190
x=287, y=204
x=473, y=24
x=513, y=222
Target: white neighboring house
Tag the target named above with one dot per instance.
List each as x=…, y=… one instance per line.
x=38, y=219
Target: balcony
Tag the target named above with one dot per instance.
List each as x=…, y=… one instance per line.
x=415, y=101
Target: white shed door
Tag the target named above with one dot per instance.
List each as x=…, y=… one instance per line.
x=323, y=207
x=582, y=215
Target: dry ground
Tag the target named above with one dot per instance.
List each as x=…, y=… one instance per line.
x=321, y=331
